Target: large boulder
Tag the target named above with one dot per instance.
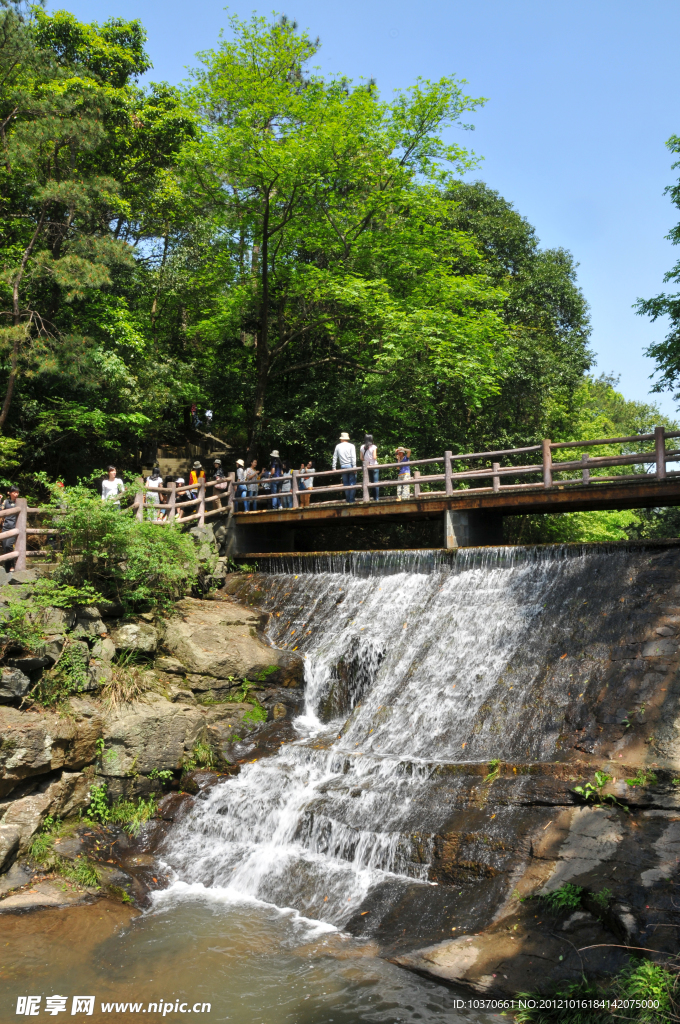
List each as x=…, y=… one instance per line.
x=13, y=685
x=135, y=636
x=220, y=639
x=154, y=733
x=22, y=818
x=36, y=744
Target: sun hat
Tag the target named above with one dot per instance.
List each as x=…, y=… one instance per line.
x=344, y=436
x=400, y=448
x=179, y=481
x=239, y=462
x=217, y=462
x=197, y=465
x=274, y=455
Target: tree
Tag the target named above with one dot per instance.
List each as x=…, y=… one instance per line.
x=666, y=353
x=332, y=212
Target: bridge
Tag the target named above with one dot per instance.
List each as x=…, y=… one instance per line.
x=471, y=502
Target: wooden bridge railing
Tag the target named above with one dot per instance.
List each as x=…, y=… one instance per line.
x=548, y=468
x=204, y=505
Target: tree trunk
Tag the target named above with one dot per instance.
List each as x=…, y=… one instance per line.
x=262, y=351
x=16, y=317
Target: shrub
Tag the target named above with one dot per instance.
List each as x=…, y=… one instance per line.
x=130, y=814
x=135, y=564
x=68, y=677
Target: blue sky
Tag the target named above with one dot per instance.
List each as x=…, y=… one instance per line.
x=582, y=97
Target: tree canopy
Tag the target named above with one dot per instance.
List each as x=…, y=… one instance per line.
x=293, y=251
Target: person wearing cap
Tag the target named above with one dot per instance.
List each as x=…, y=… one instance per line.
x=240, y=486
x=9, y=522
x=276, y=472
x=345, y=457
x=403, y=455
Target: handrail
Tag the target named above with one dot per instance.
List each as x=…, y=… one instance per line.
x=167, y=511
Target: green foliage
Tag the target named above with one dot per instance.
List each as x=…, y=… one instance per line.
x=17, y=632
x=643, y=777
x=243, y=694
x=642, y=981
x=202, y=756
x=591, y=792
x=255, y=715
x=567, y=897
x=49, y=592
x=163, y=774
x=137, y=564
x=130, y=814
x=81, y=871
x=68, y=677
x=41, y=847
x=603, y=898
x=99, y=809
x=494, y=771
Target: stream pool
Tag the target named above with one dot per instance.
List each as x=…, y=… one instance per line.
x=253, y=964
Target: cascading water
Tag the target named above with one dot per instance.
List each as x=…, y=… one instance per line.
x=406, y=671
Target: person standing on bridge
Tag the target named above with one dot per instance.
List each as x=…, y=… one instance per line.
x=369, y=457
x=9, y=522
x=275, y=472
x=403, y=456
x=345, y=455
x=241, y=489
x=112, y=486
x=252, y=477
x=306, y=482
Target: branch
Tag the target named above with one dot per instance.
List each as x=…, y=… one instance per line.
x=212, y=437
x=329, y=359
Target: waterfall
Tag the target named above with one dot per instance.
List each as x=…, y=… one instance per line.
x=414, y=663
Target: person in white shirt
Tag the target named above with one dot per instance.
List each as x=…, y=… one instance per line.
x=112, y=486
x=369, y=456
x=345, y=455
x=153, y=497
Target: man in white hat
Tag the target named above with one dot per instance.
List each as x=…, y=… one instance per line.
x=345, y=455
x=240, y=484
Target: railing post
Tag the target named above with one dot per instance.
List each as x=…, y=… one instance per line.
x=20, y=548
x=660, y=452
x=447, y=472
x=547, y=463
x=416, y=489
x=139, y=505
x=294, y=489
x=201, y=501
x=585, y=473
x=496, y=478
x=172, y=502
x=365, y=493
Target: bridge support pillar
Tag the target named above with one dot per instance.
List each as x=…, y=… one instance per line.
x=472, y=529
